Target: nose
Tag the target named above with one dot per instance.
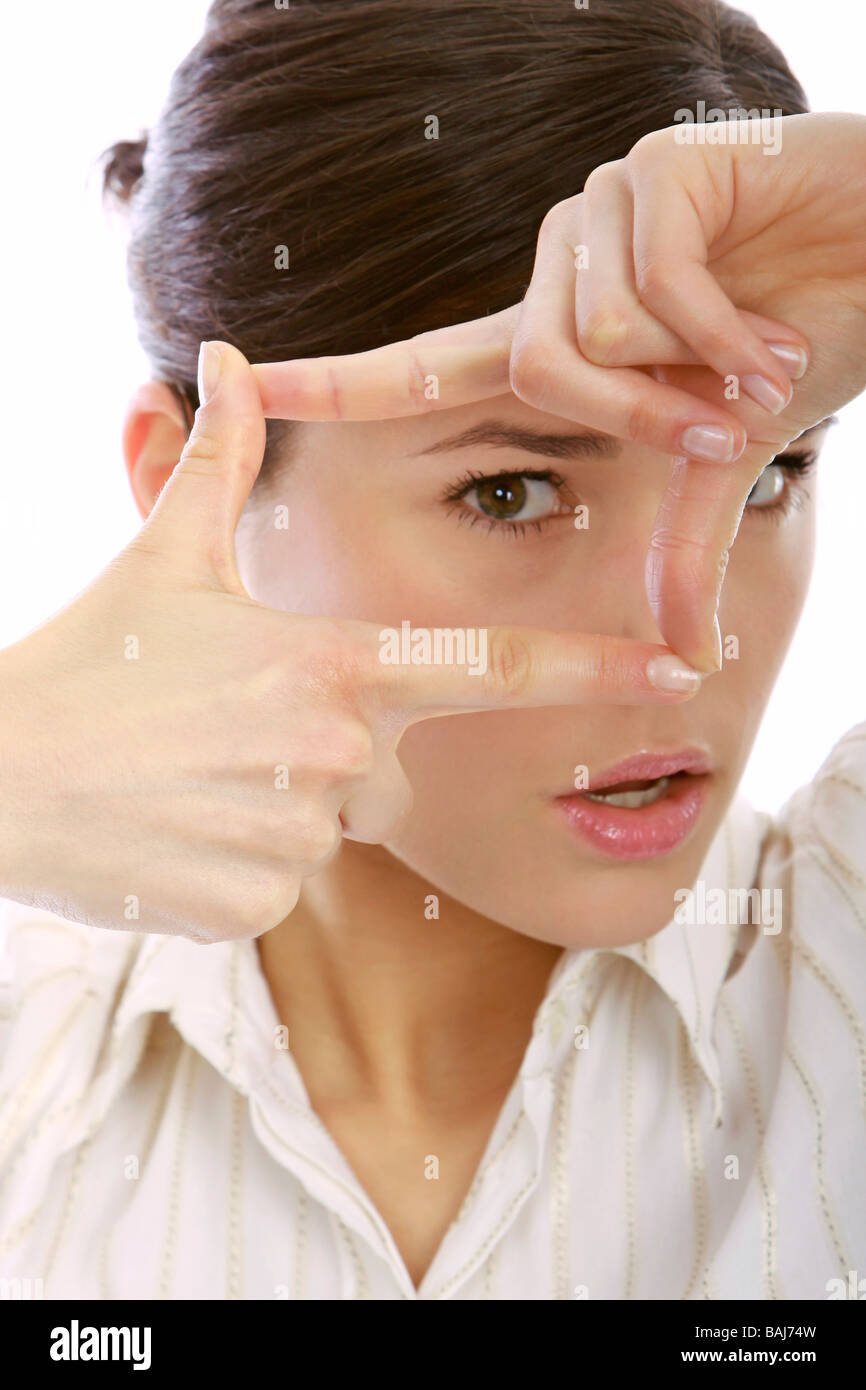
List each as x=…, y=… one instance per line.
x=609, y=568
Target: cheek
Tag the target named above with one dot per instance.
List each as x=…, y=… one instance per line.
x=484, y=831
x=343, y=555
x=324, y=561
x=357, y=551
x=764, y=593
x=479, y=830
x=763, y=596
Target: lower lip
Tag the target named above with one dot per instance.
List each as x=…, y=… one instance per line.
x=642, y=832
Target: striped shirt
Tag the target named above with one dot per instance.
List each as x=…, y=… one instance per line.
x=687, y=1121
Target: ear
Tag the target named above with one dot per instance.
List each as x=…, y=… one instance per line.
x=154, y=433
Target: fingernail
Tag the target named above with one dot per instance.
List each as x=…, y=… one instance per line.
x=209, y=361
x=668, y=672
x=711, y=442
x=793, y=359
x=765, y=392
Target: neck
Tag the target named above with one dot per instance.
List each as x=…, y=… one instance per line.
x=384, y=999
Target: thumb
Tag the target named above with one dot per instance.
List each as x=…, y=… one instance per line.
x=198, y=510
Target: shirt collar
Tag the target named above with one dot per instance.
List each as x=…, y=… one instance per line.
x=217, y=996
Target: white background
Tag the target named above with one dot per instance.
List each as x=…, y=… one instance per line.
x=78, y=77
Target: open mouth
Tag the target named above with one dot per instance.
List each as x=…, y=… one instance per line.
x=647, y=805
x=633, y=795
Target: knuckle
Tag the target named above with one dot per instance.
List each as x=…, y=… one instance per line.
x=676, y=540
x=301, y=834
x=649, y=147
x=601, y=177
x=325, y=665
x=273, y=898
x=336, y=660
x=416, y=379
x=644, y=420
x=351, y=752
x=201, y=447
x=335, y=391
x=269, y=838
x=529, y=371
x=520, y=371
x=556, y=218
x=698, y=561
x=609, y=669
x=603, y=335
x=509, y=662
x=240, y=438
x=655, y=278
x=315, y=838
x=326, y=659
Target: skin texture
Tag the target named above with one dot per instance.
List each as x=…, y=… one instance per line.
x=408, y=1031
x=384, y=1005
x=686, y=254
x=374, y=539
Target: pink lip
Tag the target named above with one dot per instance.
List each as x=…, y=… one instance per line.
x=643, y=766
x=646, y=831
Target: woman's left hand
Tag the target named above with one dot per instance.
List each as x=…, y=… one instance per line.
x=654, y=299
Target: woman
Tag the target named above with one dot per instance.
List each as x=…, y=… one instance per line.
x=564, y=1020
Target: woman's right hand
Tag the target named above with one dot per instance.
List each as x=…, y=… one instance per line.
x=177, y=756
x=655, y=298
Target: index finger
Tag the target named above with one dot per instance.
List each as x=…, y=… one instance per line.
x=695, y=526
x=428, y=672
x=694, y=529
x=438, y=370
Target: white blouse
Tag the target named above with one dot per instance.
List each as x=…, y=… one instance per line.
x=687, y=1121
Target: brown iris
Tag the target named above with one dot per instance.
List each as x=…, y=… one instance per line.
x=501, y=497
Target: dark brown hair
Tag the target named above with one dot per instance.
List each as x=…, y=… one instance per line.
x=308, y=128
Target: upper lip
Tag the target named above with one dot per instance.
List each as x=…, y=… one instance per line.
x=647, y=766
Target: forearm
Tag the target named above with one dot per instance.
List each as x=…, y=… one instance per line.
x=25, y=780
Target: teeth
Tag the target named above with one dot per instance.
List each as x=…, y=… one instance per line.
x=632, y=800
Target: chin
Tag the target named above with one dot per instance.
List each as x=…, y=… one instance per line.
x=595, y=915
x=578, y=905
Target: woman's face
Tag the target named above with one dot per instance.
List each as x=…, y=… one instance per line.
x=390, y=521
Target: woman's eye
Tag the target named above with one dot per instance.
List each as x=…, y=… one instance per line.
x=779, y=487
x=768, y=488
x=511, y=497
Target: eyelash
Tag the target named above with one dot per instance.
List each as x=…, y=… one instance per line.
x=470, y=480
x=796, y=466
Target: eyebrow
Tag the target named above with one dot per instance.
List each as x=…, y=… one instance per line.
x=496, y=434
